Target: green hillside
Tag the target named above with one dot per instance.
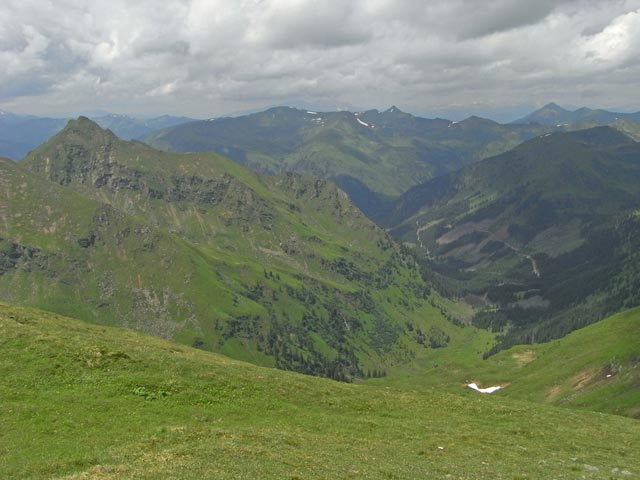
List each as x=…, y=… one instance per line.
x=543, y=238
x=82, y=401
x=596, y=367
x=372, y=155
x=281, y=271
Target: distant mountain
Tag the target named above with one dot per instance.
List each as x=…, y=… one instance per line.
x=553, y=114
x=282, y=271
x=21, y=133
x=372, y=155
x=129, y=128
x=549, y=232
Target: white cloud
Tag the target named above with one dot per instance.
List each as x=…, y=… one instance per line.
x=209, y=57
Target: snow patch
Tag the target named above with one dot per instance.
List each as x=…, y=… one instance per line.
x=312, y=113
x=452, y=123
x=475, y=387
x=362, y=123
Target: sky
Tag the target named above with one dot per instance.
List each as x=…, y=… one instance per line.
x=208, y=58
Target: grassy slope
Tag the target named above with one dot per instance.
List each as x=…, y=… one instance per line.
x=571, y=371
x=82, y=401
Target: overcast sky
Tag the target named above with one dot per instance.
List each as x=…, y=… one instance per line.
x=206, y=58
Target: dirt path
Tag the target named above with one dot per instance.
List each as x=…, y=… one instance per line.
x=427, y=226
x=534, y=265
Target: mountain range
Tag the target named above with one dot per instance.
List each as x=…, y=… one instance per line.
x=371, y=155
x=518, y=232
x=553, y=114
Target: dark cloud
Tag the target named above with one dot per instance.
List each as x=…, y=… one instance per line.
x=210, y=57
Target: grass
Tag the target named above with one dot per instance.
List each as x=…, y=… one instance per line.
x=571, y=371
x=83, y=401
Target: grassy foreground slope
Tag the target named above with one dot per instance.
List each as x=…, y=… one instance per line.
x=83, y=401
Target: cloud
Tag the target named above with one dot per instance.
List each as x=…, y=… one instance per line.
x=210, y=57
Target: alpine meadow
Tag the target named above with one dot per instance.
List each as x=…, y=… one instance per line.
x=315, y=239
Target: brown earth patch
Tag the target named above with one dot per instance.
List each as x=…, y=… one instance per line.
x=554, y=392
x=583, y=378
x=464, y=229
x=524, y=357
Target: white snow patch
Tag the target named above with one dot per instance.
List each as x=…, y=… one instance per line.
x=362, y=123
x=312, y=113
x=475, y=387
x=452, y=123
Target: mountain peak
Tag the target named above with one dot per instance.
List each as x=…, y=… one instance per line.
x=477, y=121
x=393, y=109
x=84, y=126
x=553, y=106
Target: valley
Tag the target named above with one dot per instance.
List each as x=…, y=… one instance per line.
x=533, y=232
x=504, y=286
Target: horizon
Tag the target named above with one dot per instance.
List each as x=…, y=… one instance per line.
x=207, y=58
x=503, y=118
